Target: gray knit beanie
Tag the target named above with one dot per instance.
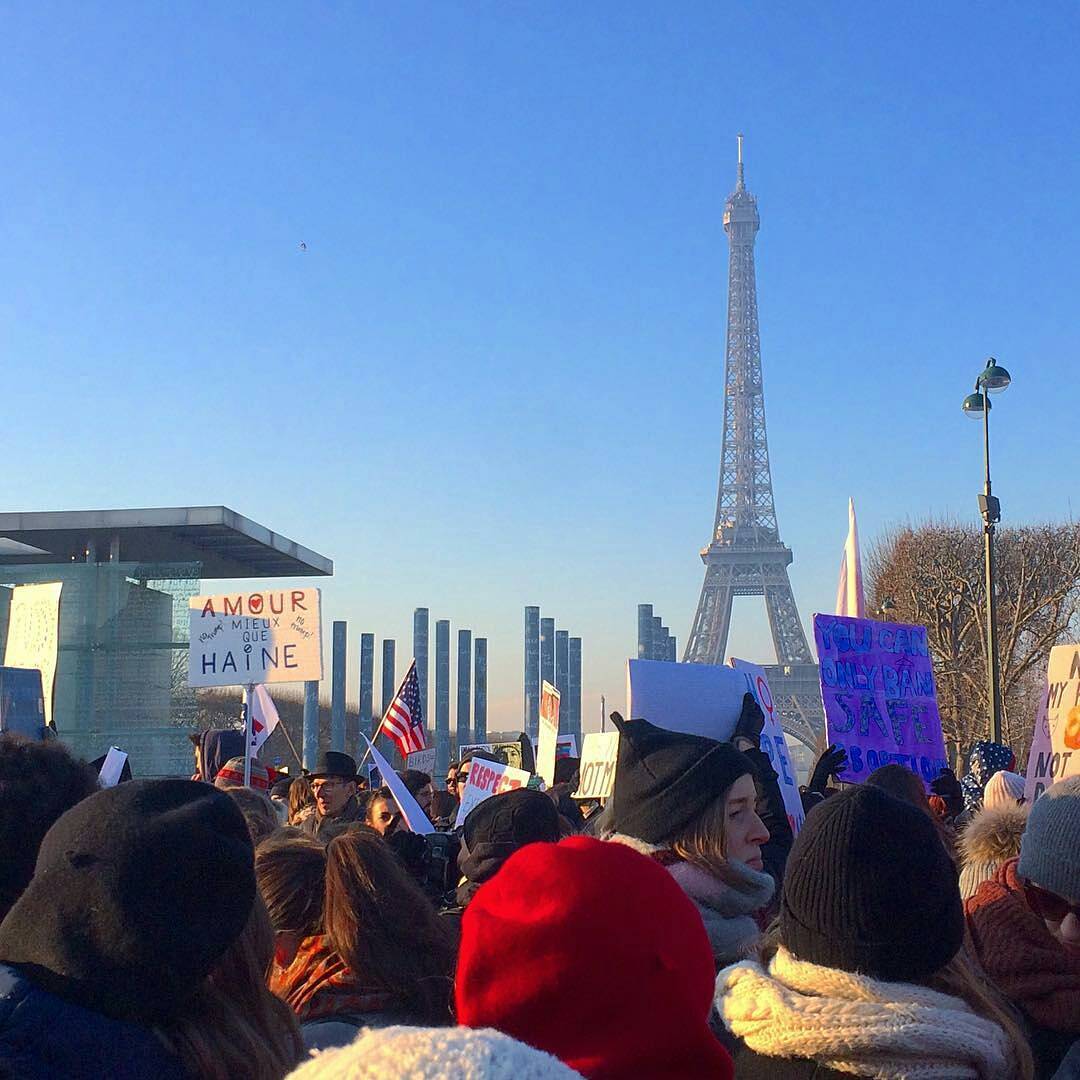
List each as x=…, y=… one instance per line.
x=1050, y=848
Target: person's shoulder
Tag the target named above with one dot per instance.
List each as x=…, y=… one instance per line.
x=93, y=1045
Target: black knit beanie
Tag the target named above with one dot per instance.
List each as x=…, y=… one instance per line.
x=869, y=888
x=517, y=817
x=138, y=891
x=665, y=779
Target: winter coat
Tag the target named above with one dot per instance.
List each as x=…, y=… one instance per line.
x=991, y=839
x=43, y=1037
x=325, y=828
x=1034, y=970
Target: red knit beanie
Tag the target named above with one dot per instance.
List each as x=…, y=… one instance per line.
x=593, y=953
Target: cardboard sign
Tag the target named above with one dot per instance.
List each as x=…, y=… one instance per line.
x=242, y=638
x=507, y=752
x=1041, y=761
x=113, y=768
x=487, y=778
x=34, y=633
x=697, y=699
x=415, y=818
x=421, y=760
x=549, y=733
x=599, y=755
x=565, y=747
x=877, y=686
x=774, y=741
x=1063, y=710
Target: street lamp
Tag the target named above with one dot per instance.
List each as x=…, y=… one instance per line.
x=993, y=379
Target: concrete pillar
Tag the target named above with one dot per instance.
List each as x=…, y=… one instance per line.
x=480, y=690
x=562, y=672
x=311, y=723
x=337, y=688
x=573, y=725
x=367, y=683
x=442, y=698
x=547, y=651
x=532, y=671
x=420, y=654
x=464, y=688
x=644, y=631
x=386, y=693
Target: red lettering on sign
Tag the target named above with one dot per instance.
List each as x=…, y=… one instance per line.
x=297, y=597
x=234, y=607
x=208, y=607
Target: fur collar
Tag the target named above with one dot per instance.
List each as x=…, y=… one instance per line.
x=726, y=907
x=994, y=835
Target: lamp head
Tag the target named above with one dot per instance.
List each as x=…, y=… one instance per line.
x=974, y=404
x=994, y=378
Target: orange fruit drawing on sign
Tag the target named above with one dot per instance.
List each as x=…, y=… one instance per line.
x=1072, y=728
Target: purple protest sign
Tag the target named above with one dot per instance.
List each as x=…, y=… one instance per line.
x=877, y=686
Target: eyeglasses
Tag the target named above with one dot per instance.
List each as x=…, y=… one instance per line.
x=1048, y=905
x=325, y=785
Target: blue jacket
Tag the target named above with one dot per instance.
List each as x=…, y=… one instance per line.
x=43, y=1037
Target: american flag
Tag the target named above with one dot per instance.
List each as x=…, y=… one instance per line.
x=404, y=717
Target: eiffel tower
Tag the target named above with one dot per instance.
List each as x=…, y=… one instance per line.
x=746, y=556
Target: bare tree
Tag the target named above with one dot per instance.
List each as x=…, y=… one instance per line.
x=933, y=572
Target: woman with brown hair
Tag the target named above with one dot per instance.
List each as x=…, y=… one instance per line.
x=140, y=947
x=301, y=801
x=386, y=930
x=691, y=804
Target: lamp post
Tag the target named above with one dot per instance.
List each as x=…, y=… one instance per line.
x=992, y=380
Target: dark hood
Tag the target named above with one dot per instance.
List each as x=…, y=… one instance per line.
x=217, y=746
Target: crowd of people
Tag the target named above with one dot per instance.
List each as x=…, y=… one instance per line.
x=176, y=928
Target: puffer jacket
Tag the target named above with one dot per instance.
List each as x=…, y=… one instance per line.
x=43, y=1037
x=991, y=838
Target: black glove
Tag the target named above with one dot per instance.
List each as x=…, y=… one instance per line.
x=751, y=721
x=832, y=762
x=946, y=785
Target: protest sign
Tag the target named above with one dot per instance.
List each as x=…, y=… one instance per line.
x=421, y=760
x=113, y=768
x=599, y=755
x=1063, y=710
x=242, y=639
x=34, y=633
x=509, y=753
x=549, y=733
x=877, y=686
x=415, y=818
x=774, y=741
x=697, y=699
x=565, y=747
x=487, y=778
x=1040, y=767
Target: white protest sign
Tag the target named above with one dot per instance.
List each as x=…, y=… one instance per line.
x=696, y=699
x=113, y=768
x=774, y=741
x=421, y=760
x=415, y=818
x=34, y=633
x=468, y=748
x=1063, y=710
x=549, y=733
x=487, y=778
x=566, y=746
x=243, y=638
x=599, y=755
x=1040, y=756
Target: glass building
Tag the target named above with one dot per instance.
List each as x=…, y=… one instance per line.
x=126, y=578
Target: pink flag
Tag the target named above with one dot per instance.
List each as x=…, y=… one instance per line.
x=849, y=594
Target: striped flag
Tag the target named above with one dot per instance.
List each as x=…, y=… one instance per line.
x=404, y=717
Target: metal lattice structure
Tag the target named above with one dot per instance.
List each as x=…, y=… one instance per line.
x=746, y=556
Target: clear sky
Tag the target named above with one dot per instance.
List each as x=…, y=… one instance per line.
x=494, y=377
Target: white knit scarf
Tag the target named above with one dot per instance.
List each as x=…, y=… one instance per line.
x=858, y=1025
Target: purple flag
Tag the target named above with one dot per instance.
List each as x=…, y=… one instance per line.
x=877, y=686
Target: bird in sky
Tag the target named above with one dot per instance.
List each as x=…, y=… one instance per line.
x=303, y=246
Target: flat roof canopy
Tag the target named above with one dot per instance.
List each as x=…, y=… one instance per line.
x=227, y=544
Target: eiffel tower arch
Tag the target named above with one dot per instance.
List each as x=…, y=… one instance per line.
x=746, y=556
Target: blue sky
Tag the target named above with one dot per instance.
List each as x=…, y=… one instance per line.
x=494, y=376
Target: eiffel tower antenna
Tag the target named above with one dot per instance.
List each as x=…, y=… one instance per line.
x=746, y=556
